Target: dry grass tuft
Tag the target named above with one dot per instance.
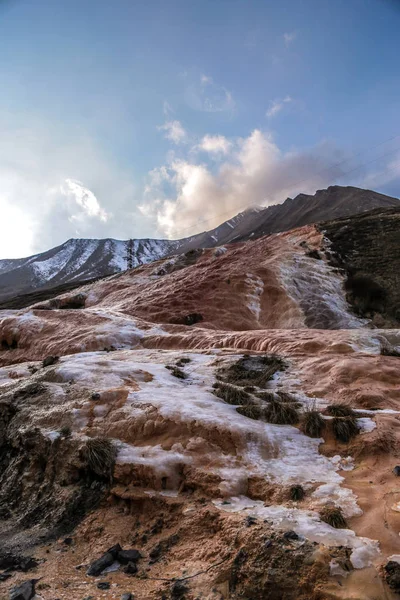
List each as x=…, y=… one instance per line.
x=65, y=431
x=340, y=410
x=297, y=493
x=281, y=413
x=100, y=454
x=333, y=515
x=252, y=370
x=345, y=428
x=231, y=394
x=313, y=423
x=252, y=411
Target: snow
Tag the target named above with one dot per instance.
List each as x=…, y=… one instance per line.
x=308, y=524
x=366, y=425
x=318, y=290
x=255, y=287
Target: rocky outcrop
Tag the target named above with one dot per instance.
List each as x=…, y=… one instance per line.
x=367, y=248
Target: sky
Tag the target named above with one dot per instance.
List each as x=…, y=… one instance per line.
x=163, y=118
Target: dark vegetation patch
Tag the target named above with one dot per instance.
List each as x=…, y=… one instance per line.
x=232, y=394
x=344, y=428
x=313, y=423
x=281, y=413
x=190, y=319
x=76, y=301
x=50, y=361
x=31, y=390
x=340, y=410
x=392, y=575
x=297, y=493
x=365, y=294
x=314, y=254
x=252, y=370
x=333, y=515
x=176, y=371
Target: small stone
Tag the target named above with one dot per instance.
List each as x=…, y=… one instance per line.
x=104, y=585
x=396, y=471
x=25, y=591
x=95, y=396
x=127, y=596
x=178, y=590
x=68, y=541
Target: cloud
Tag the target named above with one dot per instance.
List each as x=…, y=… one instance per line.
x=56, y=183
x=84, y=200
x=215, y=144
x=207, y=96
x=276, y=106
x=289, y=38
x=174, y=131
x=186, y=196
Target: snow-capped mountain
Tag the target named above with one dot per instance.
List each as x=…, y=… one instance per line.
x=80, y=260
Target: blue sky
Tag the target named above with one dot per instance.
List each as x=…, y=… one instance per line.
x=163, y=118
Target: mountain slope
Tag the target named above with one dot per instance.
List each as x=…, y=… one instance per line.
x=78, y=260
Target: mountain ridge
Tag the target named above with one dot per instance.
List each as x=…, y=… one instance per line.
x=79, y=260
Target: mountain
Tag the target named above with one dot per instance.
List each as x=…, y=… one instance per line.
x=79, y=260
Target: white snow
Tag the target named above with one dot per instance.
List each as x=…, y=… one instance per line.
x=308, y=524
x=366, y=425
x=255, y=287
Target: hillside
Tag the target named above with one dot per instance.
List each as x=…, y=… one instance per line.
x=81, y=259
x=219, y=424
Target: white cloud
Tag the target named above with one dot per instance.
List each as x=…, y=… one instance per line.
x=167, y=108
x=83, y=198
x=207, y=96
x=174, y=131
x=189, y=197
x=276, y=106
x=215, y=144
x=289, y=38
x=42, y=201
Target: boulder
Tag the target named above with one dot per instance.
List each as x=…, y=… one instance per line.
x=127, y=556
x=24, y=591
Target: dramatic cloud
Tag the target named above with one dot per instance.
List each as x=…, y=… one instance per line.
x=215, y=144
x=188, y=197
x=206, y=95
x=55, y=184
x=276, y=106
x=289, y=38
x=174, y=131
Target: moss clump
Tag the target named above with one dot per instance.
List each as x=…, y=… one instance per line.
x=313, y=423
x=344, y=428
x=333, y=515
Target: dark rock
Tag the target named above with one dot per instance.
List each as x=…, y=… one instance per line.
x=15, y=562
x=131, y=568
x=25, y=591
x=314, y=254
x=127, y=596
x=392, y=569
x=127, y=556
x=95, y=396
x=98, y=566
x=50, y=360
x=4, y=576
x=290, y=535
x=104, y=585
x=396, y=471
x=193, y=318
x=178, y=590
x=115, y=550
